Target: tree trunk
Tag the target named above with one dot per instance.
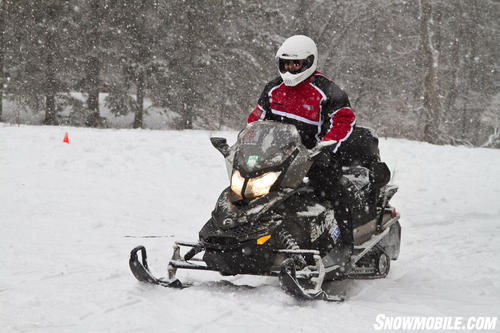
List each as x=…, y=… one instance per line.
x=432, y=103
x=453, y=90
x=93, y=65
x=50, y=99
x=187, y=105
x=93, y=119
x=139, y=113
x=50, y=71
x=2, y=52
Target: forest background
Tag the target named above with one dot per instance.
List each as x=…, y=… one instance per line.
x=425, y=70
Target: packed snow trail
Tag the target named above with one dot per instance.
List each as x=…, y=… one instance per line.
x=70, y=214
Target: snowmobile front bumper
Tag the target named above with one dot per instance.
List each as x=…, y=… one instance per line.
x=188, y=261
x=292, y=281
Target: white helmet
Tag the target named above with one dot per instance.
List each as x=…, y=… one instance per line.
x=298, y=47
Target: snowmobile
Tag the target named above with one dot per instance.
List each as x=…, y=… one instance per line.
x=269, y=221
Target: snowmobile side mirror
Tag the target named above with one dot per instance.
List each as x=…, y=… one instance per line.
x=221, y=145
x=381, y=174
x=322, y=146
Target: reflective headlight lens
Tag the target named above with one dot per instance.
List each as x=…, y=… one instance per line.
x=261, y=185
x=256, y=187
x=237, y=183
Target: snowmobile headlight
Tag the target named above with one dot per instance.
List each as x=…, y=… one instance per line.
x=256, y=187
x=261, y=185
x=237, y=183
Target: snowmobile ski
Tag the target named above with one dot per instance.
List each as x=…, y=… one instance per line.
x=291, y=285
x=142, y=273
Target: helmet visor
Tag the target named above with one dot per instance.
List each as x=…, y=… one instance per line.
x=293, y=66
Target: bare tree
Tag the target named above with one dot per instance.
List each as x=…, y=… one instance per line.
x=93, y=63
x=431, y=103
x=3, y=6
x=50, y=64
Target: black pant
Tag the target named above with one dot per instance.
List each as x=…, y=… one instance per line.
x=360, y=149
x=325, y=182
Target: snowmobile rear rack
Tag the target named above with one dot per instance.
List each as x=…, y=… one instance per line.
x=369, y=244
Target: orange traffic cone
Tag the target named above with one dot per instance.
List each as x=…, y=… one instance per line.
x=66, y=138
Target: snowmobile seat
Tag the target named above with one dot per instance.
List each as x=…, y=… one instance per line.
x=361, y=148
x=363, y=174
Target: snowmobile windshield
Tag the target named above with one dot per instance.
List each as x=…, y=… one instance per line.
x=265, y=145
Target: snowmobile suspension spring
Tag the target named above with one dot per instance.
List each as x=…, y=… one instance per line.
x=288, y=241
x=291, y=244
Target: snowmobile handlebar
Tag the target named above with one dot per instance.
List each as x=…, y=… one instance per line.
x=321, y=147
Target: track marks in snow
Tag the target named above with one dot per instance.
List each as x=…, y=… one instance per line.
x=201, y=326
x=124, y=305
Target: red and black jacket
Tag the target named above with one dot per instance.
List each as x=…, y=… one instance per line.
x=317, y=107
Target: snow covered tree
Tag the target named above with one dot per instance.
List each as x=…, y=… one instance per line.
x=135, y=27
x=40, y=64
x=424, y=70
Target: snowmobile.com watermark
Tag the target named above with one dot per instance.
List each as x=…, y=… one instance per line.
x=411, y=323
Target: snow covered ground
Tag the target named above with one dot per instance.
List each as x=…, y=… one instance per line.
x=70, y=213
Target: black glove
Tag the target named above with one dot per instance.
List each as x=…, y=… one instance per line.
x=324, y=159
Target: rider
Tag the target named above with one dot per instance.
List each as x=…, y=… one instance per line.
x=320, y=110
x=303, y=96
